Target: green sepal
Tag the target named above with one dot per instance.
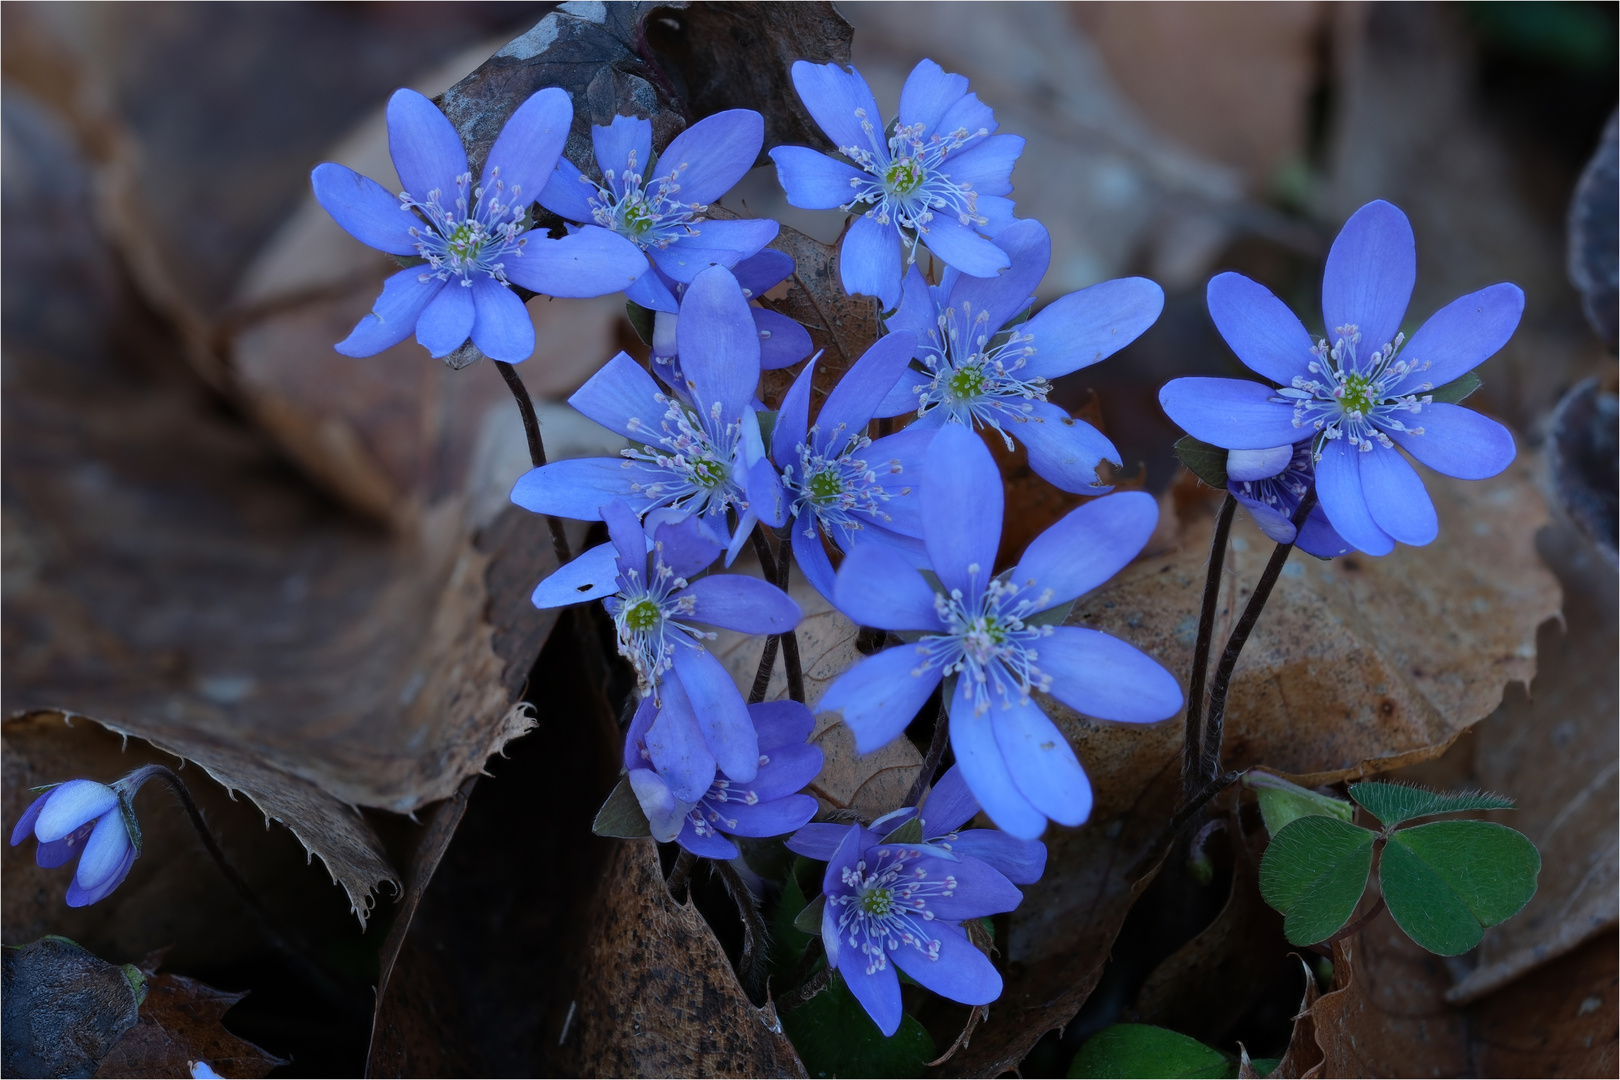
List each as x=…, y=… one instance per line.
x=908, y=832
x=1206, y=460
x=809, y=919
x=1446, y=881
x=621, y=816
x=1282, y=802
x=1395, y=803
x=1132, y=1050
x=835, y=1037
x=641, y=319
x=1314, y=871
x=767, y=428
x=1455, y=390
x=1052, y=616
x=137, y=982
x=128, y=812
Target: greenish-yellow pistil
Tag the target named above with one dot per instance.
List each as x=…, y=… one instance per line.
x=636, y=216
x=464, y=241
x=825, y=487
x=708, y=472
x=967, y=383
x=643, y=615
x=1356, y=397
x=878, y=902
x=902, y=176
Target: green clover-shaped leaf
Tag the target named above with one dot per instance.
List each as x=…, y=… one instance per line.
x=1314, y=871
x=1446, y=881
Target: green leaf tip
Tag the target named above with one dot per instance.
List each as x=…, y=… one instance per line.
x=1395, y=803
x=1131, y=1050
x=1282, y=802
x=1206, y=460
x=621, y=816
x=1457, y=389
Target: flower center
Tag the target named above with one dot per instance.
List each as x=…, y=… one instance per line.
x=843, y=491
x=975, y=371
x=1356, y=395
x=647, y=619
x=707, y=472
x=825, y=486
x=966, y=384
x=646, y=212
x=475, y=234
x=642, y=615
x=902, y=176
x=877, y=902
x=635, y=217
x=690, y=459
x=1345, y=397
x=988, y=642
x=908, y=185
x=889, y=907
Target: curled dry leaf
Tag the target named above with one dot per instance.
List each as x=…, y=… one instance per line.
x=1344, y=676
x=64, y=1007
x=180, y=1024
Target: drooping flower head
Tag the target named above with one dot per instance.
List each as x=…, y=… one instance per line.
x=984, y=368
x=473, y=239
x=902, y=906
x=1270, y=484
x=939, y=178
x=782, y=342
x=992, y=634
x=658, y=202
x=1359, y=393
x=642, y=576
x=945, y=809
x=838, y=482
x=700, y=452
x=768, y=805
x=93, y=822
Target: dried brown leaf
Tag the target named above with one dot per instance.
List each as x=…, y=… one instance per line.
x=64, y=1008
x=842, y=327
x=1557, y=1021
x=180, y=1024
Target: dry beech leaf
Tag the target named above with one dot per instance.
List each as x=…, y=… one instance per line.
x=868, y=785
x=64, y=1008
x=842, y=327
x=1302, y=1054
x=1558, y=1021
x=180, y=1024
x=657, y=996
x=1345, y=675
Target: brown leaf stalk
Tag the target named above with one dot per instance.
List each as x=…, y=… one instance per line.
x=751, y=963
x=537, y=450
x=1191, y=769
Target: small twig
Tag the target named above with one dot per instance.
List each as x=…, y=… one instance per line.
x=936, y=753
x=762, y=677
x=975, y=1015
x=1191, y=768
x=680, y=872
x=815, y=985
x=790, y=640
x=813, y=953
x=751, y=964
x=1356, y=927
x=537, y=450
x=1221, y=684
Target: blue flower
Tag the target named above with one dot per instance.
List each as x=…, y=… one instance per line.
x=1364, y=395
x=906, y=903
x=840, y=483
x=472, y=237
x=642, y=577
x=1270, y=484
x=782, y=342
x=703, y=454
x=983, y=367
x=995, y=635
x=939, y=178
x=661, y=215
x=767, y=805
x=89, y=820
x=945, y=809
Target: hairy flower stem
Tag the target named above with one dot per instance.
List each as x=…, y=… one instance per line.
x=1221, y=684
x=936, y=753
x=537, y=450
x=680, y=872
x=775, y=567
x=281, y=938
x=811, y=987
x=1191, y=768
x=751, y=964
x=762, y=677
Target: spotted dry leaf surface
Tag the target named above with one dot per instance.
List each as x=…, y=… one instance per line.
x=180, y=1024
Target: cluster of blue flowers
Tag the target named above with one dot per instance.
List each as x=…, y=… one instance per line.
x=900, y=532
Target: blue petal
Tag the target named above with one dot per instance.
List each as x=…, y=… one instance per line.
x=1093, y=324
x=404, y=297
x=628, y=537
x=426, y=150
x=446, y=322
x=25, y=824
x=580, y=487
x=1396, y=497
x=781, y=723
x=666, y=815
x=709, y=846
x=869, y=261
x=590, y=262
x=970, y=113
x=64, y=850
x=528, y=147
x=1088, y=545
x=997, y=211
x=879, y=695
x=650, y=292
x=789, y=769
x=365, y=209
x=1260, y=328
x=716, y=243
x=1029, y=248
x=962, y=973
x=878, y=990
x=624, y=145
x=949, y=804
x=1461, y=336
x=974, y=742
x=980, y=890
x=767, y=499
x=1041, y=761
x=793, y=419
x=1338, y=485
x=842, y=105
x=811, y=556
x=848, y=409
x=987, y=164
x=81, y=897
x=1458, y=441
x=846, y=855
x=636, y=735
x=962, y=247
x=928, y=93
x=718, y=347
x=621, y=396
x=819, y=841
x=684, y=545
x=772, y=817
x=782, y=342
x=1019, y=861
x=568, y=193
x=1233, y=413
x=762, y=271
x=70, y=805
x=918, y=312
x=1063, y=451
x=1319, y=538
x=721, y=713
x=814, y=181
x=676, y=741
x=103, y=853
x=1270, y=521
x=1101, y=676
x=745, y=604
x=961, y=510
x=877, y=587
x=713, y=154
x=1370, y=271
x=1252, y=465
x=591, y=576
x=503, y=329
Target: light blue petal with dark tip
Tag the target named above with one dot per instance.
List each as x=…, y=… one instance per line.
x=591, y=576
x=721, y=713
x=1259, y=328
x=1063, y=451
x=1101, y=676
x=1458, y=441
x=393, y=316
x=961, y=509
x=1338, y=486
x=973, y=740
x=1087, y=546
x=879, y=695
x=1041, y=761
x=1233, y=413
x=365, y=209
x=426, y=150
x=1370, y=272
x=1396, y=497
